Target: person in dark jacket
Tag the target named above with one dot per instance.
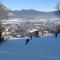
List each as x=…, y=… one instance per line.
x=56, y=34
x=27, y=40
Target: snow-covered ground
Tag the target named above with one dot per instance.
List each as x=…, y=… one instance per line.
x=41, y=48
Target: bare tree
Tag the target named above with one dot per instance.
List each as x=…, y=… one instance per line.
x=58, y=9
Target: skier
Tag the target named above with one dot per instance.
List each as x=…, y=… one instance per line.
x=27, y=40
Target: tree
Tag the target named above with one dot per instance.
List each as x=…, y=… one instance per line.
x=58, y=10
x=57, y=28
x=2, y=15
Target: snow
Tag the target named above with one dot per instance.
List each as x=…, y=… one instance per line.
x=33, y=30
x=41, y=48
x=19, y=38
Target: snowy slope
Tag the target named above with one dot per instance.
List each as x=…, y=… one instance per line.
x=46, y=48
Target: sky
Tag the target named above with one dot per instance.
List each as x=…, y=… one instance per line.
x=40, y=5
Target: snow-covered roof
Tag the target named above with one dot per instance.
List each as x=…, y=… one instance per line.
x=33, y=30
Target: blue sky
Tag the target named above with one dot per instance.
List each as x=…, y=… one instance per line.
x=40, y=5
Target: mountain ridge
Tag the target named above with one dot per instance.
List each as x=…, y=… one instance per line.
x=34, y=15
x=31, y=14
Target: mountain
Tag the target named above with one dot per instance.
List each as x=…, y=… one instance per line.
x=34, y=15
x=11, y=14
x=3, y=10
x=29, y=14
